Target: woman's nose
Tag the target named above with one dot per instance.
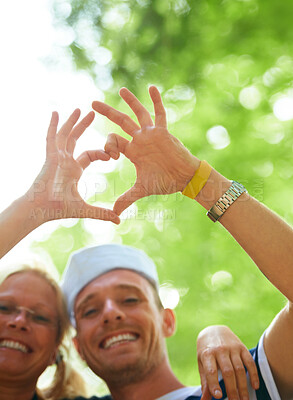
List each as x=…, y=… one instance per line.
x=19, y=320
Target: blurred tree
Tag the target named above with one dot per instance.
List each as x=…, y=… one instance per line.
x=225, y=70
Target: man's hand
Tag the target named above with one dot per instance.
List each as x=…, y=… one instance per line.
x=54, y=194
x=163, y=165
x=219, y=348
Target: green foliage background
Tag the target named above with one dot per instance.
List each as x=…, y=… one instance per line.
x=201, y=54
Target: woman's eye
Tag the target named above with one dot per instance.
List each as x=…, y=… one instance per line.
x=41, y=319
x=4, y=308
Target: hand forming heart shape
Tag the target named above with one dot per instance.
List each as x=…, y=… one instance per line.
x=54, y=193
x=163, y=165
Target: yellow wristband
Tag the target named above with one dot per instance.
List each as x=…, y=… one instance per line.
x=198, y=181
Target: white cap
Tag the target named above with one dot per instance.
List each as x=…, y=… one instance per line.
x=89, y=263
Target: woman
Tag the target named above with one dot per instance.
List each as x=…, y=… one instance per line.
x=33, y=316
x=33, y=322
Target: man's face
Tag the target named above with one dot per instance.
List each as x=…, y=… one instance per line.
x=120, y=329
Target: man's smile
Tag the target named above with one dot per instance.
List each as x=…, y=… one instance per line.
x=117, y=339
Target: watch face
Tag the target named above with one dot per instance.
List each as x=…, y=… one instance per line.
x=224, y=202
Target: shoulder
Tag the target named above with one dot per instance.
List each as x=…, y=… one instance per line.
x=267, y=386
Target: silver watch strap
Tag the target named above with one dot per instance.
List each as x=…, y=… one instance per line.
x=224, y=202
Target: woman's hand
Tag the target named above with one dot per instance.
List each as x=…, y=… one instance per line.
x=54, y=193
x=219, y=348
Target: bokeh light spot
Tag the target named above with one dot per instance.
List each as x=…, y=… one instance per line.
x=283, y=108
x=116, y=17
x=221, y=280
x=170, y=296
x=218, y=137
x=250, y=97
x=265, y=169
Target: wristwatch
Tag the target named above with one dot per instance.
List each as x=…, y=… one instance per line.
x=224, y=202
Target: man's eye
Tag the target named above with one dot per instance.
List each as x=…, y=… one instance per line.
x=90, y=312
x=130, y=300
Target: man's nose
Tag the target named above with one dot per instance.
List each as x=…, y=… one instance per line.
x=112, y=312
x=19, y=320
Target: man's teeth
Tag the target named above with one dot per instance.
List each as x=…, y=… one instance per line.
x=14, y=345
x=126, y=337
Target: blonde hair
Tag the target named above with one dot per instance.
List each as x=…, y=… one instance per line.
x=66, y=382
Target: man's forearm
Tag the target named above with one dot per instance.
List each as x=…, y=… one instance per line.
x=265, y=237
x=164, y=166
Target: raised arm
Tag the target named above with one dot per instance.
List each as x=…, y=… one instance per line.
x=54, y=193
x=163, y=165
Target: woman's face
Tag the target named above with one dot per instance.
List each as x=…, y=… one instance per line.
x=28, y=326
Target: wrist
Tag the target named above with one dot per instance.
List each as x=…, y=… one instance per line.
x=191, y=166
x=33, y=214
x=198, y=180
x=224, y=202
x=215, y=187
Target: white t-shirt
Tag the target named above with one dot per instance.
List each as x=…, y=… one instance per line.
x=267, y=390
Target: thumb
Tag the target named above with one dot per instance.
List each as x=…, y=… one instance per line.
x=89, y=156
x=88, y=211
x=115, y=145
x=129, y=197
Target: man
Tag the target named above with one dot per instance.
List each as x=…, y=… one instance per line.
x=164, y=166
x=113, y=301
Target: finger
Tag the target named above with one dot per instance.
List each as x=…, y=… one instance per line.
x=119, y=118
x=228, y=374
x=66, y=129
x=51, y=135
x=142, y=114
x=78, y=130
x=251, y=368
x=206, y=394
x=88, y=211
x=240, y=375
x=115, y=145
x=211, y=374
x=160, y=112
x=89, y=156
x=129, y=197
